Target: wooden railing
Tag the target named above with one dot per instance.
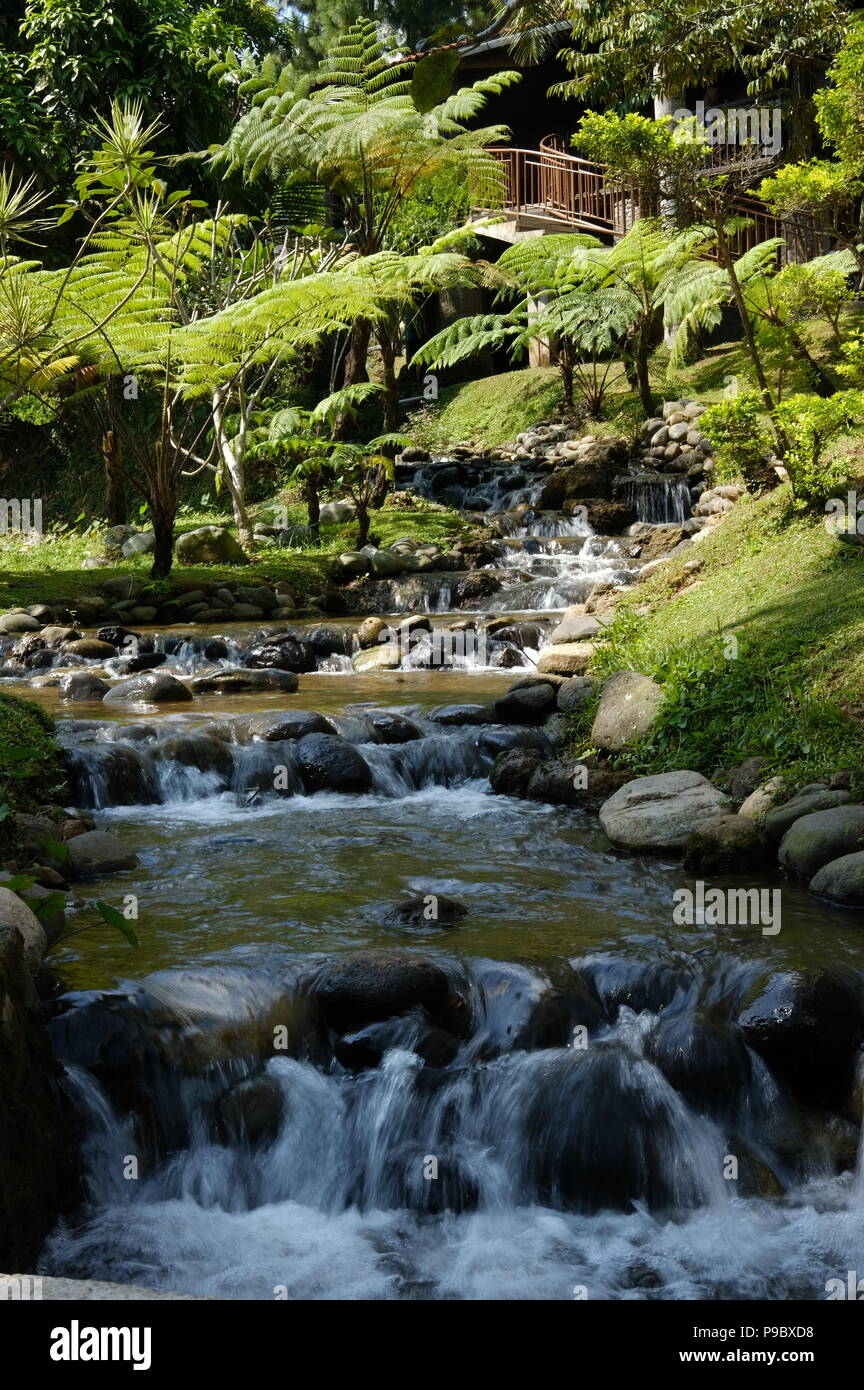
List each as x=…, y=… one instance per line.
x=549, y=182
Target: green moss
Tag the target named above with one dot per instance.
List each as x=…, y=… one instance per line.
x=31, y=766
x=491, y=410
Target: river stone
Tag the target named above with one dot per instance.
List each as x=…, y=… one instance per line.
x=392, y=728
x=199, y=750
x=370, y=630
x=706, y=1062
x=353, y=563
x=83, y=685
x=566, y=659
x=236, y=679
x=660, y=813
x=629, y=702
x=274, y=725
x=98, y=852
x=460, y=714
x=530, y=704
x=385, y=563
x=91, y=647
x=841, y=880
x=815, y=797
x=573, y=693
x=142, y=613
x=209, y=545
x=575, y=629
x=369, y=986
x=143, y=543
x=18, y=622
x=281, y=654
x=512, y=771
x=329, y=763
x=814, y=840
x=149, y=687
x=15, y=913
x=761, y=801
x=250, y=1112
x=727, y=844
x=55, y=635
x=54, y=922
x=426, y=910
x=806, y=1025
x=382, y=658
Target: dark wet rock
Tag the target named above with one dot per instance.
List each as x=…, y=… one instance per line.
x=144, y=661
x=806, y=1025
x=284, y=654
x=328, y=763
x=126, y=778
x=97, y=852
x=512, y=771
x=841, y=880
x=274, y=725
x=116, y=635
x=149, y=688
x=461, y=714
x=426, y=910
x=727, y=845
x=707, y=1062
x=393, y=728
x=250, y=1112
x=743, y=780
x=816, y=797
x=81, y=685
x=238, y=679
x=816, y=839
x=196, y=750
x=622, y=983
x=215, y=649
x=555, y=1015
x=501, y=740
x=474, y=586
x=526, y=704
x=573, y=693
x=368, y=986
x=325, y=641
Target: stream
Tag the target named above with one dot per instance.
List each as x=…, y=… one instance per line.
x=559, y=1127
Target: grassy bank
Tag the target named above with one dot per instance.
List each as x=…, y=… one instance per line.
x=49, y=568
x=760, y=652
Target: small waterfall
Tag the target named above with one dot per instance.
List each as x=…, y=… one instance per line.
x=664, y=499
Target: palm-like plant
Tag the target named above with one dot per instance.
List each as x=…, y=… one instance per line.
x=370, y=131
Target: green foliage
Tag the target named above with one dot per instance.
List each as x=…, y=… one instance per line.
x=742, y=444
x=31, y=764
x=810, y=424
x=491, y=410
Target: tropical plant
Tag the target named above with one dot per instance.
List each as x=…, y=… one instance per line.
x=810, y=423
x=372, y=129
x=742, y=445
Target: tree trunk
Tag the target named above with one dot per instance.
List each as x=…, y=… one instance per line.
x=115, y=487
x=728, y=262
x=355, y=367
x=643, y=376
x=163, y=553
x=313, y=507
x=391, y=389
x=362, y=524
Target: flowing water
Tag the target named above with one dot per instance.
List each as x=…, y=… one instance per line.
x=561, y=1127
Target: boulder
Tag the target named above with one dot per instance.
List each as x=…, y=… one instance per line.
x=329, y=763
x=573, y=693
x=806, y=1025
x=18, y=622
x=566, y=659
x=82, y=685
x=196, y=750
x=385, y=657
x=92, y=648
x=530, y=704
x=727, y=844
x=233, y=680
x=370, y=631
x=816, y=839
x=426, y=910
x=142, y=543
x=815, y=797
x=15, y=913
x=761, y=801
x=629, y=703
x=274, y=725
x=392, y=728
x=352, y=563
x=281, y=654
x=660, y=813
x=250, y=1112
x=577, y=629
x=209, y=545
x=150, y=688
x=97, y=852
x=369, y=986
x=841, y=880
